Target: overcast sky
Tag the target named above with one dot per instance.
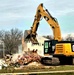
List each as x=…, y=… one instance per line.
x=20, y=14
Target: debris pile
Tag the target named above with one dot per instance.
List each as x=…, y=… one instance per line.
x=23, y=59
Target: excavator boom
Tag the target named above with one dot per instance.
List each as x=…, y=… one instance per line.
x=30, y=35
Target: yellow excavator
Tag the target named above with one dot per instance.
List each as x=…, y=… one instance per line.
x=62, y=51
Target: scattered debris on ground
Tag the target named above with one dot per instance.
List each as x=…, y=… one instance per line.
x=27, y=59
x=24, y=58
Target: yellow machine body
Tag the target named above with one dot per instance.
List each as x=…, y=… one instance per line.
x=64, y=49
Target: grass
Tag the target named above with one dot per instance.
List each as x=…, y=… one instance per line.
x=69, y=73
x=64, y=67
x=37, y=69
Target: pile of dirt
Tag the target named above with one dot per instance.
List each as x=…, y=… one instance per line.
x=34, y=66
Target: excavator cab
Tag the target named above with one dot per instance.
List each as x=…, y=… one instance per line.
x=49, y=46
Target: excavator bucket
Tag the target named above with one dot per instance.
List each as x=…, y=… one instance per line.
x=28, y=36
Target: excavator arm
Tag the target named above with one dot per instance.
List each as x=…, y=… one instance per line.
x=43, y=13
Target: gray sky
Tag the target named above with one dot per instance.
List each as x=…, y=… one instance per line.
x=20, y=14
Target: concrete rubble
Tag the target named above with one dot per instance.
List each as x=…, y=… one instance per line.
x=23, y=59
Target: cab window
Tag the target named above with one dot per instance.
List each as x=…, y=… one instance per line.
x=46, y=44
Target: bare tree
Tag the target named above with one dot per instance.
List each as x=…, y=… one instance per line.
x=11, y=39
x=48, y=37
x=69, y=37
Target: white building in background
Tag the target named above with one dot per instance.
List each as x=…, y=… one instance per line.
x=31, y=46
x=39, y=47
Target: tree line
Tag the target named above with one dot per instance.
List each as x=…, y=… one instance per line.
x=11, y=39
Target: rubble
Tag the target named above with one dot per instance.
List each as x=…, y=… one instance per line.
x=24, y=58
x=27, y=57
x=2, y=64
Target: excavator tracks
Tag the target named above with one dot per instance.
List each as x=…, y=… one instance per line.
x=50, y=61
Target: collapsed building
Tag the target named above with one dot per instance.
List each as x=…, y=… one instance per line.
x=39, y=47
x=29, y=53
